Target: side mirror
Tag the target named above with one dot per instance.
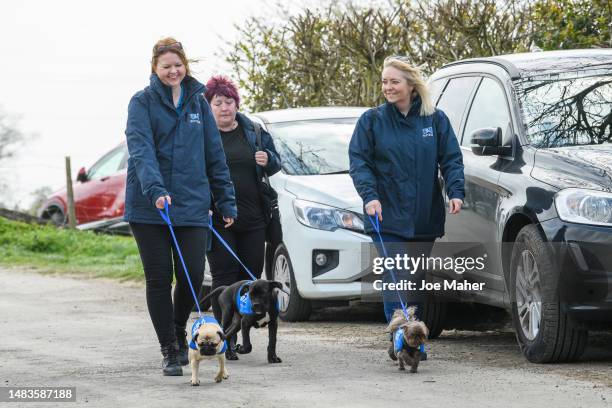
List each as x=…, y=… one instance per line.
x=82, y=175
x=488, y=142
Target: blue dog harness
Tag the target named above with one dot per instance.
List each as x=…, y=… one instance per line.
x=194, y=329
x=399, y=342
x=245, y=306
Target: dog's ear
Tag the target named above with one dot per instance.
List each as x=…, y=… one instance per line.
x=221, y=335
x=275, y=284
x=195, y=337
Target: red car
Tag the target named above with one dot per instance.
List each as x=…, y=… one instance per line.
x=99, y=195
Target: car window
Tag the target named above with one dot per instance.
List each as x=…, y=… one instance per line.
x=123, y=164
x=435, y=88
x=567, y=108
x=455, y=99
x=489, y=110
x=108, y=165
x=309, y=147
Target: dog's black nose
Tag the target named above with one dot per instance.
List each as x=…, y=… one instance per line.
x=208, y=349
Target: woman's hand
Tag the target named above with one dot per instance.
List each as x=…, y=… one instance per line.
x=261, y=158
x=373, y=207
x=228, y=221
x=159, y=203
x=454, y=205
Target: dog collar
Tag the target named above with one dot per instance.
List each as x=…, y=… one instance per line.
x=196, y=325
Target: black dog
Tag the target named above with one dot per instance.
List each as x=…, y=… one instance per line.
x=235, y=316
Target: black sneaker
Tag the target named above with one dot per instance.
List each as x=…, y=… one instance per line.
x=170, y=364
x=183, y=347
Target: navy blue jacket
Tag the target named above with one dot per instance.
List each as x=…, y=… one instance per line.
x=395, y=159
x=176, y=153
x=274, y=161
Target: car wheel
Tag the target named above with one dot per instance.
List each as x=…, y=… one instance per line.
x=55, y=215
x=292, y=307
x=544, y=331
x=434, y=316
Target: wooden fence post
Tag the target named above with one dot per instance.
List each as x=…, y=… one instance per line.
x=70, y=196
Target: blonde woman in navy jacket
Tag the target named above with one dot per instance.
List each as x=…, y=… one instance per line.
x=176, y=157
x=395, y=153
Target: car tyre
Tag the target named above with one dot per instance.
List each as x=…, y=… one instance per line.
x=55, y=215
x=293, y=308
x=545, y=333
x=434, y=316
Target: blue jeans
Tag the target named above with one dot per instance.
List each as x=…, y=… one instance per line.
x=396, y=245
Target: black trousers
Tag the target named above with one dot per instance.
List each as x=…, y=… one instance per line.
x=225, y=269
x=160, y=262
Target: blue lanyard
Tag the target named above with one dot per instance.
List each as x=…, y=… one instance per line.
x=376, y=227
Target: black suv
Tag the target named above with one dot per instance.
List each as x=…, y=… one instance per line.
x=535, y=132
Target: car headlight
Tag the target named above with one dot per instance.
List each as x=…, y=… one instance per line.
x=584, y=206
x=326, y=218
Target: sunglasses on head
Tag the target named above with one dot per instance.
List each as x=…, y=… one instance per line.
x=160, y=49
x=401, y=58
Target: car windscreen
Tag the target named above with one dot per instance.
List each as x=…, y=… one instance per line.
x=571, y=108
x=311, y=147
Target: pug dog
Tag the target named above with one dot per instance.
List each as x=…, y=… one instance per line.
x=207, y=343
x=408, y=335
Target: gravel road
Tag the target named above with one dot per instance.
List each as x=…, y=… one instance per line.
x=96, y=335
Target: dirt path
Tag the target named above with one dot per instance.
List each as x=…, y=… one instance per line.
x=96, y=335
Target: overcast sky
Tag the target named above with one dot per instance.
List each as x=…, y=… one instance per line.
x=69, y=68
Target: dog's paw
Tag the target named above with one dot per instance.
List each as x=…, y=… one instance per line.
x=413, y=370
x=218, y=378
x=274, y=359
x=231, y=356
x=195, y=383
x=225, y=375
x=246, y=349
x=402, y=368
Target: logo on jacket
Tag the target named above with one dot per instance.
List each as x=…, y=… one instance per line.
x=194, y=118
x=427, y=132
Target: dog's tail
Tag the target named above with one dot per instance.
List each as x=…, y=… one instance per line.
x=399, y=318
x=214, y=293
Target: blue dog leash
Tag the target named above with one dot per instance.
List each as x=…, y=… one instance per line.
x=225, y=244
x=166, y=217
x=376, y=227
x=398, y=338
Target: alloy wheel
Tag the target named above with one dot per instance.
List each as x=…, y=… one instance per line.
x=528, y=295
x=282, y=274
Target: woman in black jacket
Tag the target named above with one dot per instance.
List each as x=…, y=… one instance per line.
x=247, y=164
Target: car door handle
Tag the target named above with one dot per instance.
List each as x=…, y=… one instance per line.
x=104, y=178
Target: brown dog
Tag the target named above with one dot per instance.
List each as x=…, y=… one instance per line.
x=207, y=343
x=408, y=334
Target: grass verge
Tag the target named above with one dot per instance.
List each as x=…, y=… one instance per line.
x=55, y=250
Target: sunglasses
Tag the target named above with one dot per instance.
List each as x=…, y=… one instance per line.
x=401, y=58
x=160, y=49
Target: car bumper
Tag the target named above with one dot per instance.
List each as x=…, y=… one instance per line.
x=584, y=258
x=341, y=282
